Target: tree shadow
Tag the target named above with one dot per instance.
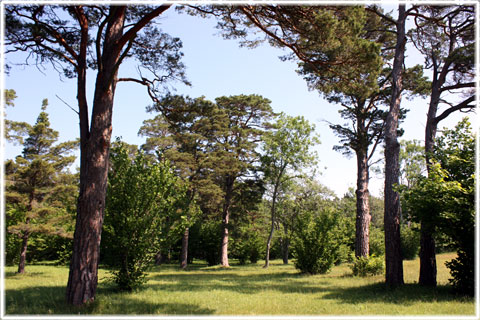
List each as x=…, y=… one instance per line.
x=47, y=300
x=11, y=274
x=407, y=294
x=284, y=282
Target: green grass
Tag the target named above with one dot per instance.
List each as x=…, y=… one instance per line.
x=239, y=290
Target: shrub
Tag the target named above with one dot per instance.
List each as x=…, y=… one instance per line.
x=410, y=243
x=315, y=245
x=251, y=248
x=210, y=239
x=344, y=254
x=367, y=266
x=141, y=195
x=462, y=270
x=377, y=242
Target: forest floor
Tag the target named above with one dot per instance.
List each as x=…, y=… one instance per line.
x=239, y=290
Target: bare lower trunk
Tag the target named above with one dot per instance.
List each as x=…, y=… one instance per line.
x=225, y=219
x=285, y=246
x=23, y=252
x=428, y=264
x=224, y=248
x=362, y=225
x=393, y=256
x=184, y=252
x=82, y=281
x=269, y=243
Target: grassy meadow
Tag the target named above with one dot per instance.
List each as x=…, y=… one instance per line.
x=239, y=290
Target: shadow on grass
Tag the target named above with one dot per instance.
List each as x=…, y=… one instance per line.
x=43, y=300
x=406, y=295
x=11, y=274
x=284, y=282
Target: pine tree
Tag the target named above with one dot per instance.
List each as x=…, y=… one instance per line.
x=33, y=183
x=182, y=133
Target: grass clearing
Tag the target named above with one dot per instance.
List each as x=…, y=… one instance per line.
x=239, y=290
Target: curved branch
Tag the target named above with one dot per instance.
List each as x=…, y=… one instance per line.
x=463, y=105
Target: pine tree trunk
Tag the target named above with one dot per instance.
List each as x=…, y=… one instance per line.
x=83, y=276
x=184, y=252
x=224, y=248
x=428, y=264
x=23, y=252
x=362, y=248
x=225, y=220
x=393, y=256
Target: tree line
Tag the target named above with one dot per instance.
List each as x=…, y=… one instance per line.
x=354, y=55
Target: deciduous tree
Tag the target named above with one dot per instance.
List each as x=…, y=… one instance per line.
x=286, y=151
x=142, y=195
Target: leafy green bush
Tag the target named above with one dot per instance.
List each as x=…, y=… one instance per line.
x=344, y=254
x=314, y=244
x=141, y=195
x=410, y=242
x=210, y=239
x=367, y=266
x=377, y=242
x=250, y=248
x=462, y=270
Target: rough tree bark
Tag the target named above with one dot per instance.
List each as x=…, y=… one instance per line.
x=393, y=256
x=83, y=277
x=225, y=219
x=362, y=234
x=184, y=252
x=428, y=263
x=23, y=250
x=26, y=235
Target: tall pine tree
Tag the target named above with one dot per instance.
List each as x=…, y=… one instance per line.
x=33, y=181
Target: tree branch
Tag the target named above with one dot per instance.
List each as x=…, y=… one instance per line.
x=131, y=33
x=458, y=86
x=463, y=105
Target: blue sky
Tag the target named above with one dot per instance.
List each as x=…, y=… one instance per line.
x=216, y=67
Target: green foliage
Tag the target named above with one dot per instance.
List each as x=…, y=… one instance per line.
x=368, y=266
x=462, y=269
x=250, y=247
x=315, y=245
x=445, y=200
x=288, y=145
x=210, y=239
x=410, y=242
x=344, y=254
x=412, y=161
x=377, y=242
x=141, y=197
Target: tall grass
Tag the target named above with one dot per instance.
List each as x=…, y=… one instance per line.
x=239, y=290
